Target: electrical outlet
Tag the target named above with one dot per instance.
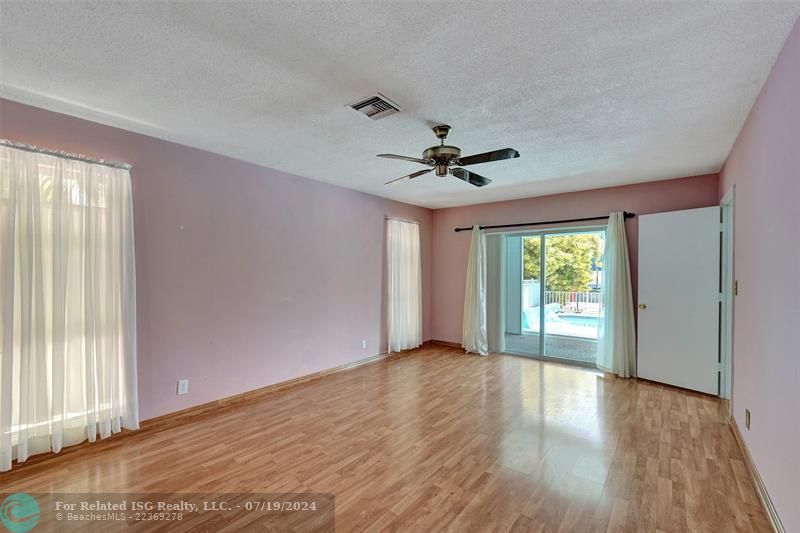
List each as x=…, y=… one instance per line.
x=183, y=386
x=363, y=344
x=747, y=418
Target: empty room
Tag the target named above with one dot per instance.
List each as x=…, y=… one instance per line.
x=414, y=266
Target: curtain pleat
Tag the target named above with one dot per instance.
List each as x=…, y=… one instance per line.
x=404, y=272
x=474, y=334
x=616, y=347
x=67, y=284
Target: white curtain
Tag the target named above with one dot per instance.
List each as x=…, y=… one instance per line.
x=67, y=292
x=616, y=348
x=404, y=284
x=474, y=335
x=496, y=292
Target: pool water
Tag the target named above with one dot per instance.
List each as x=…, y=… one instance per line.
x=580, y=320
x=583, y=326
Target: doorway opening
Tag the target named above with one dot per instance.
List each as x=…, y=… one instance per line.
x=553, y=294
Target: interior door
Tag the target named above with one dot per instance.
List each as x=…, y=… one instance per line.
x=678, y=341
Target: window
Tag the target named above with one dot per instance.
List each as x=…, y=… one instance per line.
x=67, y=293
x=404, y=284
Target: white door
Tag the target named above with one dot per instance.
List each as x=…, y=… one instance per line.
x=679, y=298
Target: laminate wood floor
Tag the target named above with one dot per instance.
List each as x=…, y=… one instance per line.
x=438, y=440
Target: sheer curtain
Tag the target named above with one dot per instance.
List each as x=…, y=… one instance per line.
x=404, y=284
x=616, y=348
x=474, y=334
x=68, y=326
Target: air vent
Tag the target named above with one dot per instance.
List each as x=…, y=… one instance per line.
x=376, y=106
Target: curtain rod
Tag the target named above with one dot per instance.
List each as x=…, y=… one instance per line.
x=564, y=221
x=387, y=217
x=64, y=155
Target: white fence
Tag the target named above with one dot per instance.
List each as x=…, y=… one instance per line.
x=585, y=302
x=530, y=293
x=572, y=299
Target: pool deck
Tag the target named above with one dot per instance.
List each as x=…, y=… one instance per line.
x=571, y=348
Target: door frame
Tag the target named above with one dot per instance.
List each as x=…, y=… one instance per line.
x=727, y=295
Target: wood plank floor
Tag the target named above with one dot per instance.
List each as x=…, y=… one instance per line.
x=438, y=440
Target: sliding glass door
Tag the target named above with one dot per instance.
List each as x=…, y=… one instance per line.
x=559, y=294
x=524, y=294
x=573, y=280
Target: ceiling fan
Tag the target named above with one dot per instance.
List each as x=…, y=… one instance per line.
x=445, y=159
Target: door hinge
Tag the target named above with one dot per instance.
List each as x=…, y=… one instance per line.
x=736, y=288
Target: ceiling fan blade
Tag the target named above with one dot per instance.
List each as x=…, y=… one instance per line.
x=410, y=176
x=470, y=177
x=496, y=155
x=405, y=158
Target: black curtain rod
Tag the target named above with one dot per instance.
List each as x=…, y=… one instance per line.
x=565, y=221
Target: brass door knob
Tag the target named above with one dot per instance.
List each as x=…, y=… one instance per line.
x=642, y=306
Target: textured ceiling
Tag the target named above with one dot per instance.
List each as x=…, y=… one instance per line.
x=591, y=93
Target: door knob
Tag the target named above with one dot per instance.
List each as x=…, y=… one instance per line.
x=642, y=306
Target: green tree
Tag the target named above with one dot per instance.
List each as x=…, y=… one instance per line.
x=530, y=257
x=568, y=260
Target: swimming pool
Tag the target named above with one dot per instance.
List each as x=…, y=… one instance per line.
x=581, y=320
x=569, y=325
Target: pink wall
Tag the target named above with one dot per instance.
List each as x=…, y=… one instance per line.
x=764, y=165
x=451, y=250
x=246, y=276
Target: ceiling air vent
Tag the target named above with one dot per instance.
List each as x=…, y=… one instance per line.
x=376, y=106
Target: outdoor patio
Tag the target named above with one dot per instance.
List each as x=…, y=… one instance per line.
x=571, y=348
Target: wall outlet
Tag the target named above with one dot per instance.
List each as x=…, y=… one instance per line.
x=747, y=418
x=183, y=386
x=363, y=344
